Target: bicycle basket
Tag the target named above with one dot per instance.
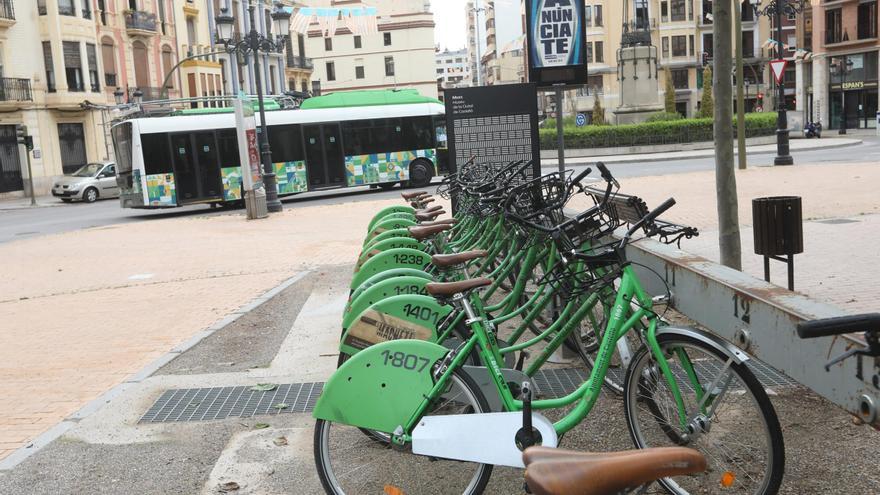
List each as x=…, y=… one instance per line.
x=545, y=195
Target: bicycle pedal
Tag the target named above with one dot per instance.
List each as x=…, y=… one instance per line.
x=523, y=355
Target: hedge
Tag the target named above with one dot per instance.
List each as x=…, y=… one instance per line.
x=650, y=133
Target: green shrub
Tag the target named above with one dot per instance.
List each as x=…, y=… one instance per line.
x=650, y=133
x=664, y=116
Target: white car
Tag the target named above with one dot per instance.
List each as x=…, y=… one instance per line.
x=88, y=183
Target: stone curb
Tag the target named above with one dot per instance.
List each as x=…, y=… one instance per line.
x=94, y=405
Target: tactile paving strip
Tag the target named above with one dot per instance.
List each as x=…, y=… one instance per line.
x=204, y=404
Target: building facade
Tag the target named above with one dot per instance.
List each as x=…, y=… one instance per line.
x=399, y=55
x=838, y=83
x=452, y=68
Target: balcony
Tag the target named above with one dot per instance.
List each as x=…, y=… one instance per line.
x=297, y=62
x=140, y=23
x=149, y=94
x=7, y=13
x=14, y=89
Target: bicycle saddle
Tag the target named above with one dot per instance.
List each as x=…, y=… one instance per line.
x=445, y=221
x=447, y=260
x=412, y=195
x=420, y=233
x=555, y=471
x=452, y=288
x=429, y=216
x=429, y=210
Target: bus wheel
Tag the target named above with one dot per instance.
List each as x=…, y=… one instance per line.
x=420, y=173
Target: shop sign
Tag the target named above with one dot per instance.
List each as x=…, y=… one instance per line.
x=854, y=85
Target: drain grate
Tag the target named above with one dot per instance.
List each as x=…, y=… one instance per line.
x=204, y=404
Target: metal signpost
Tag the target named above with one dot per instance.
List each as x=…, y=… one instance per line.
x=556, y=35
x=249, y=157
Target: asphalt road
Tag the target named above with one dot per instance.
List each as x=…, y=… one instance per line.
x=30, y=222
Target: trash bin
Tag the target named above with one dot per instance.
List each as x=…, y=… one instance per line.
x=777, y=223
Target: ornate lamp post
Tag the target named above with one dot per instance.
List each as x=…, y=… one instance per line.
x=254, y=43
x=841, y=66
x=776, y=8
x=118, y=96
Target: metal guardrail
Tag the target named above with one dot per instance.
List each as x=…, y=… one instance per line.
x=138, y=19
x=15, y=89
x=299, y=62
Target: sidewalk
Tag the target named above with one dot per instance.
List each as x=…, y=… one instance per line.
x=795, y=145
x=24, y=203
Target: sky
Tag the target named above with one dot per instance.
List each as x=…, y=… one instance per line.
x=451, y=23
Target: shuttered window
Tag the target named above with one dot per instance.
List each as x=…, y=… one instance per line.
x=108, y=56
x=50, y=67
x=73, y=65
x=92, y=56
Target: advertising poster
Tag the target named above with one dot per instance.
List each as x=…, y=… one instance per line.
x=556, y=37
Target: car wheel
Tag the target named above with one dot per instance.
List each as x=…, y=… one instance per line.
x=420, y=172
x=90, y=195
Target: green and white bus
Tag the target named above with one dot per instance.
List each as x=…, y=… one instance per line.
x=377, y=138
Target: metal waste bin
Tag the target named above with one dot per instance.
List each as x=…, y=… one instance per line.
x=777, y=223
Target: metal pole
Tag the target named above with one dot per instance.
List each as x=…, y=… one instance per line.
x=740, y=98
x=842, y=71
x=273, y=204
x=477, y=41
x=560, y=138
x=30, y=176
x=783, y=157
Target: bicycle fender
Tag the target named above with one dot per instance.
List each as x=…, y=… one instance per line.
x=387, y=260
x=719, y=344
x=388, y=211
x=393, y=318
x=381, y=387
x=385, y=235
x=380, y=290
x=396, y=272
x=388, y=224
x=390, y=243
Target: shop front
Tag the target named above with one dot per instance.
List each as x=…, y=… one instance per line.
x=853, y=90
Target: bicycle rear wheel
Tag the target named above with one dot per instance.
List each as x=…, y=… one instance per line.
x=350, y=462
x=737, y=430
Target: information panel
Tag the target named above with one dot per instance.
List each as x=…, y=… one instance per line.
x=556, y=37
x=496, y=124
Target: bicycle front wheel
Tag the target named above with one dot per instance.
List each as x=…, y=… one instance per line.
x=734, y=425
x=349, y=462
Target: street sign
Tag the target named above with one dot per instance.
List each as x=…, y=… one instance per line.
x=778, y=68
x=580, y=120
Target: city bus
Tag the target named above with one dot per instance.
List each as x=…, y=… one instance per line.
x=192, y=157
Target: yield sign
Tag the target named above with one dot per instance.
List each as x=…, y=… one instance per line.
x=778, y=68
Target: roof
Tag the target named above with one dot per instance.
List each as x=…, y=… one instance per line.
x=367, y=98
x=268, y=104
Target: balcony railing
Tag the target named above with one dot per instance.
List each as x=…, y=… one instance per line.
x=14, y=89
x=140, y=21
x=299, y=62
x=6, y=10
x=148, y=94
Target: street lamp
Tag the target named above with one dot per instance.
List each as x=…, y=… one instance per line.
x=841, y=66
x=118, y=95
x=776, y=8
x=137, y=96
x=254, y=43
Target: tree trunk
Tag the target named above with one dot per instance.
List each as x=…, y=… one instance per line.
x=725, y=178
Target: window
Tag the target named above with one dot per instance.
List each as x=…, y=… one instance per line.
x=678, y=10
x=597, y=15
x=833, y=29
x=273, y=80
x=161, y=4
x=664, y=12
x=707, y=12
x=108, y=56
x=867, y=20
x=747, y=13
x=102, y=11
x=707, y=44
x=459, y=60
x=679, y=46
x=73, y=66
x=387, y=38
x=50, y=67
x=92, y=58
x=594, y=84
x=167, y=64
x=690, y=10
x=65, y=7
x=440, y=70
x=680, y=78
x=389, y=66
x=328, y=44
x=691, y=43
x=588, y=15
x=227, y=147
x=331, y=71
x=41, y=7
x=359, y=72
x=286, y=143
x=357, y=41
x=665, y=43
x=191, y=36
x=157, y=154
x=304, y=86
x=748, y=44
x=599, y=54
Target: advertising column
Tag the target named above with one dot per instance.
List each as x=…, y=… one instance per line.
x=249, y=156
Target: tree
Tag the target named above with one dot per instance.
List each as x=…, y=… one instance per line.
x=598, y=111
x=707, y=104
x=669, y=92
x=725, y=176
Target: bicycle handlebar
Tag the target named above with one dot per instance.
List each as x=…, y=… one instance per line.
x=839, y=325
x=653, y=214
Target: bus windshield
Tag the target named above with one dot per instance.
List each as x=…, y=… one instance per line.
x=122, y=142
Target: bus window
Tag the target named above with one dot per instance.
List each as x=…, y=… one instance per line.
x=417, y=133
x=227, y=145
x=122, y=143
x=157, y=154
x=440, y=131
x=285, y=141
x=363, y=137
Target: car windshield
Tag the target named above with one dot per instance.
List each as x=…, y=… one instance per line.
x=89, y=170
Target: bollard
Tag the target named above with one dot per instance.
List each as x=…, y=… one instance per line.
x=778, y=228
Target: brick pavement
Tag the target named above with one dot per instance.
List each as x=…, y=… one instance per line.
x=75, y=322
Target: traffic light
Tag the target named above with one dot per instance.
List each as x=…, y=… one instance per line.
x=22, y=137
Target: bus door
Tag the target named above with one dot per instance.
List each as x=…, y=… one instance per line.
x=196, y=169
x=324, y=156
